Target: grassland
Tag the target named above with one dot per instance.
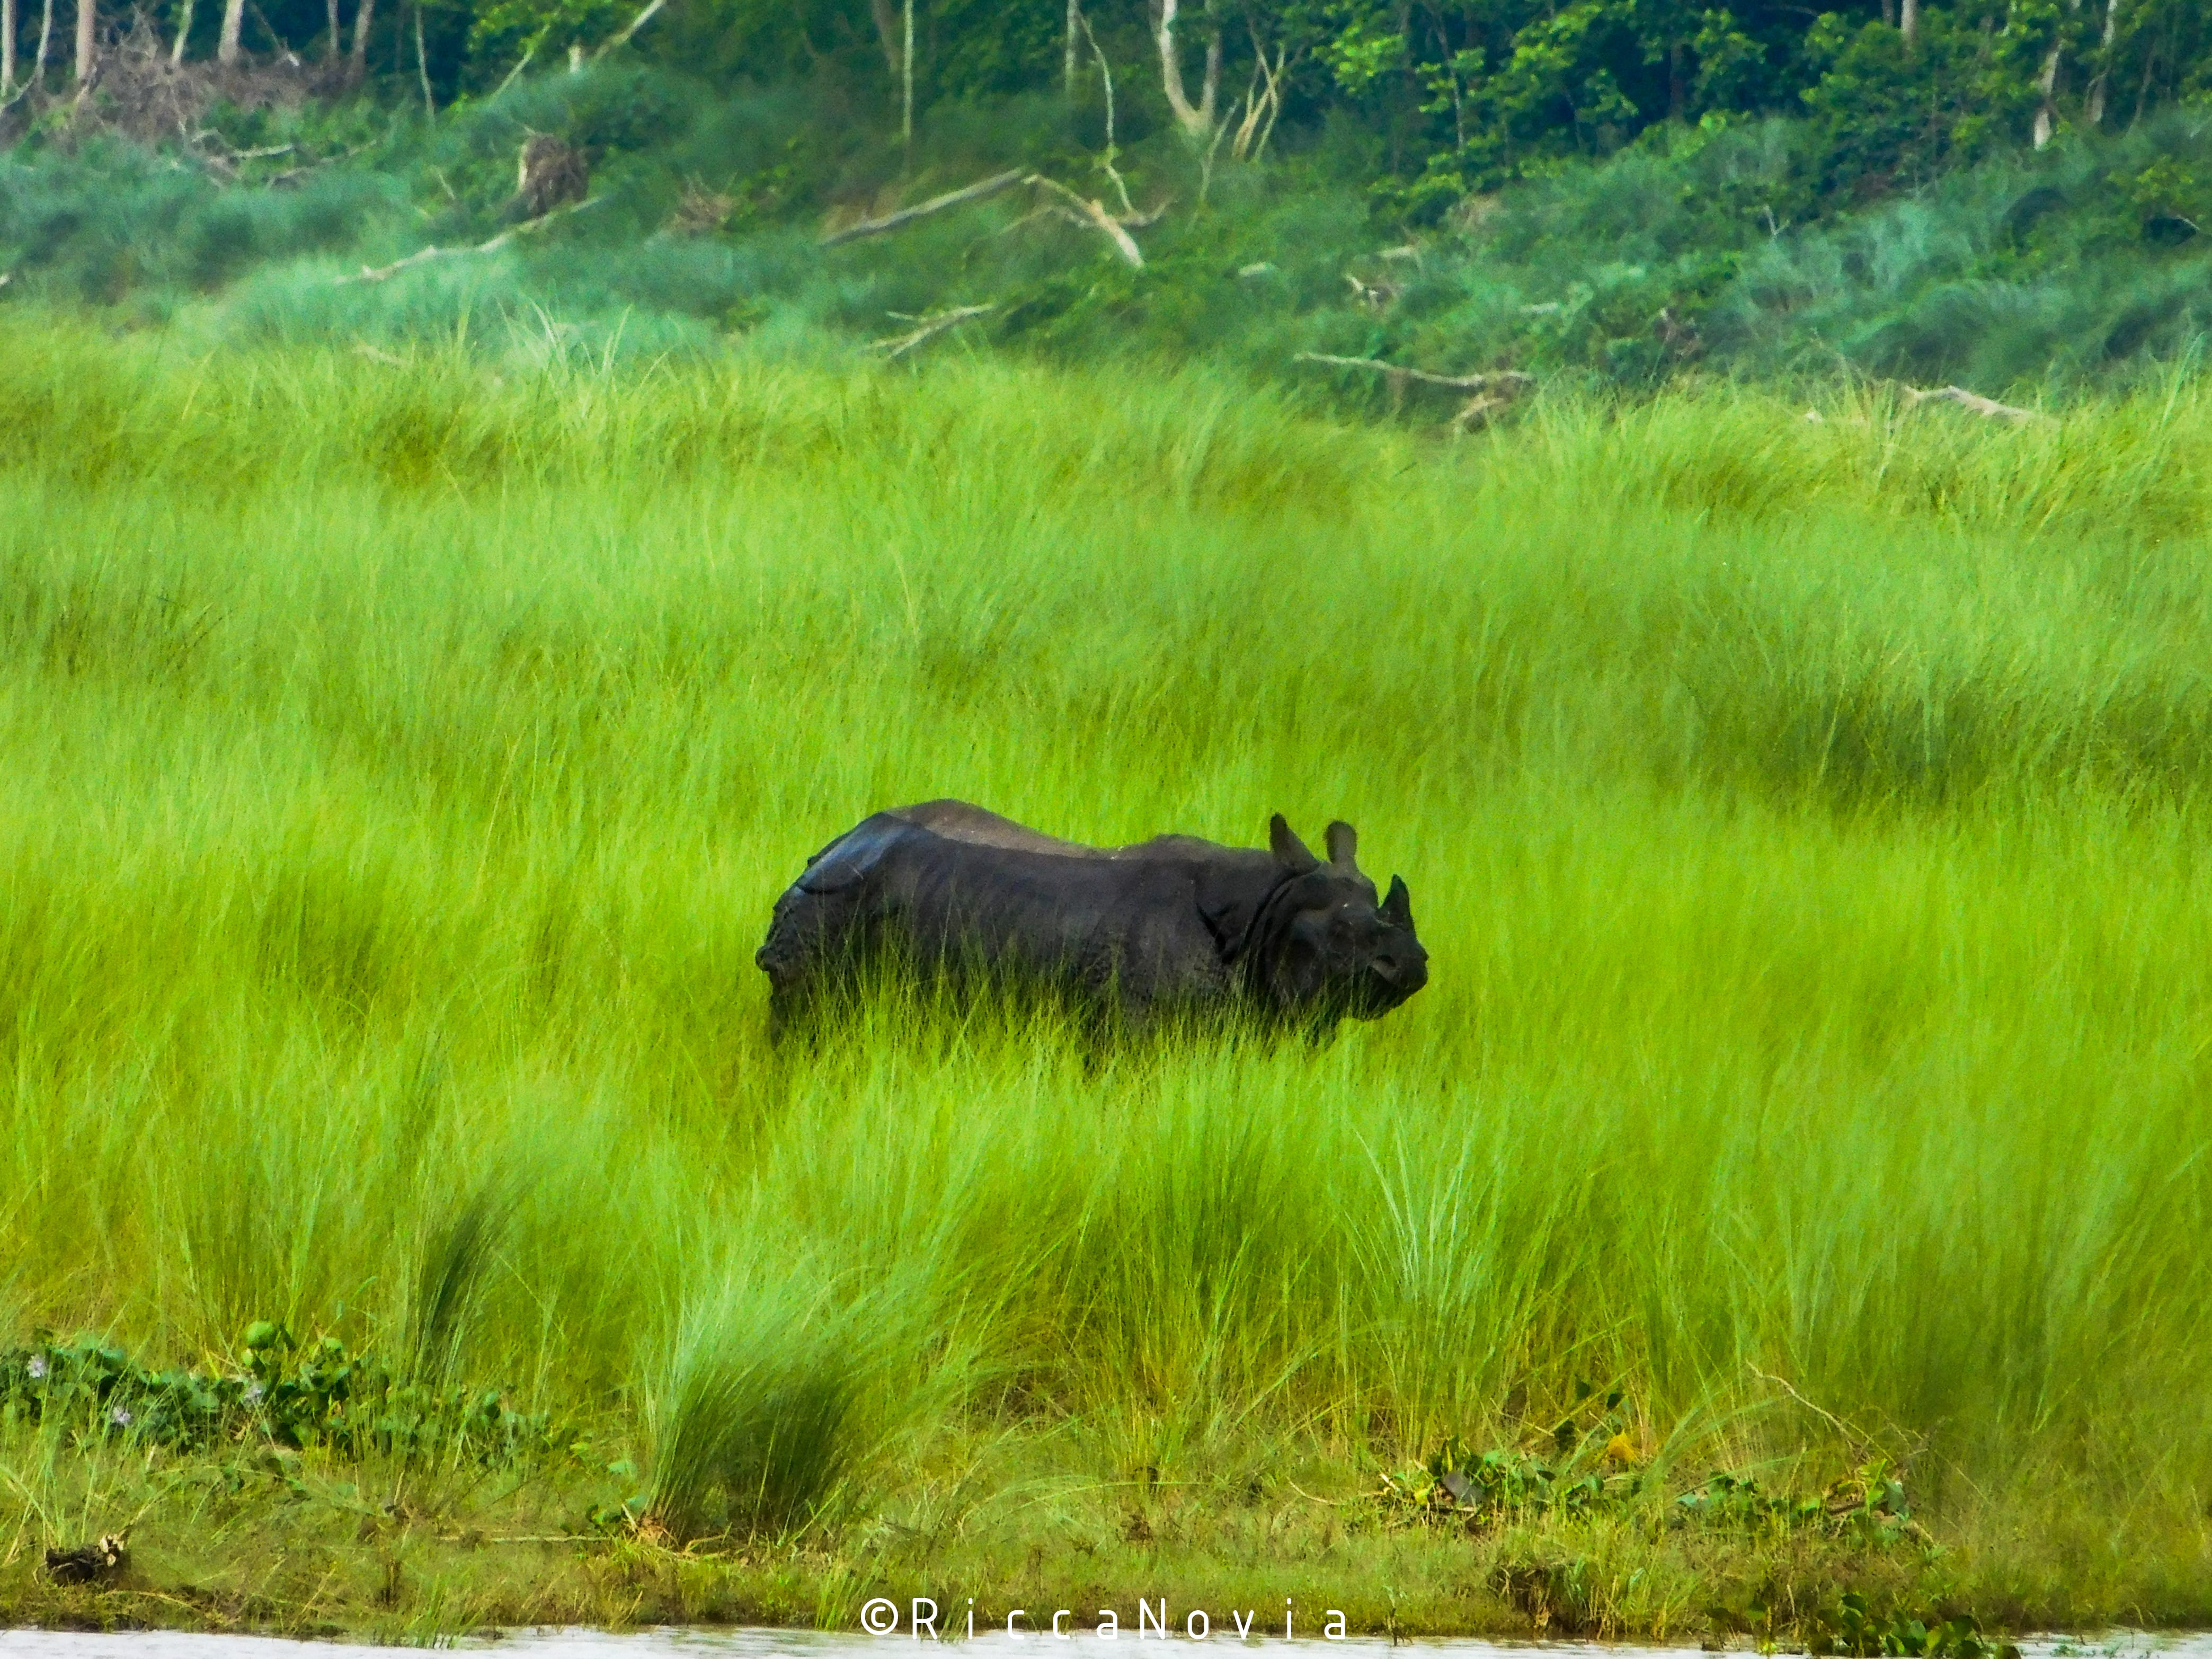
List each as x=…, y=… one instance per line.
x=1806, y=820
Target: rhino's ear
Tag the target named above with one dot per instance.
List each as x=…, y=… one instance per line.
x=1343, y=844
x=1290, y=852
x=1398, y=905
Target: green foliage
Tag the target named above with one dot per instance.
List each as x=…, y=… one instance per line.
x=1867, y=1506
x=1714, y=247
x=1484, y=1488
x=1857, y=1628
x=317, y=1395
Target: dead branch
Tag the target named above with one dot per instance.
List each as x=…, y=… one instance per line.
x=1262, y=102
x=1987, y=408
x=520, y=64
x=1094, y=212
x=930, y=327
x=1375, y=296
x=1492, y=391
x=1476, y=414
x=1106, y=75
x=1510, y=380
x=636, y=24
x=425, y=256
x=1076, y=210
x=278, y=180
x=904, y=216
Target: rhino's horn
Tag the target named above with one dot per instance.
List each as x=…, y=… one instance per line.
x=1343, y=841
x=1398, y=904
x=1290, y=852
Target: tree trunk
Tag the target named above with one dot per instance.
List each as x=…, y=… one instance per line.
x=361, y=15
x=45, y=34
x=887, y=32
x=331, y=51
x=7, y=47
x=1196, y=123
x=184, y=31
x=422, y=65
x=234, y=19
x=2096, y=111
x=2046, y=112
x=1067, y=68
x=87, y=37
x=905, y=84
x=1908, y=23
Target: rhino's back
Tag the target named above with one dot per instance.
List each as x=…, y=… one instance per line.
x=952, y=881
x=957, y=820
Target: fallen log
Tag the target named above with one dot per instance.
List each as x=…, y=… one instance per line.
x=1080, y=210
x=951, y=198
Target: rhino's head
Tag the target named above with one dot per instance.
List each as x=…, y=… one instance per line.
x=1322, y=943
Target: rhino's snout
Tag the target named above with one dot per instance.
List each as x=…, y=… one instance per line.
x=1404, y=970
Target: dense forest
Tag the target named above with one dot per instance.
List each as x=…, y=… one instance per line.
x=2011, y=189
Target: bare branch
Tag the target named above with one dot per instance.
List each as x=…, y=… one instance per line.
x=931, y=327
x=904, y=216
x=520, y=64
x=425, y=256
x=1987, y=408
x=636, y=24
x=1508, y=379
x=1106, y=75
x=1094, y=213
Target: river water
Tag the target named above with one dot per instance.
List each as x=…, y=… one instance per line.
x=817, y=1644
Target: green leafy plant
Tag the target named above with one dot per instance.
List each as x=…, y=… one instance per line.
x=1857, y=1627
x=318, y=1393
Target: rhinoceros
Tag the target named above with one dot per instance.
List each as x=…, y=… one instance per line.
x=1173, y=924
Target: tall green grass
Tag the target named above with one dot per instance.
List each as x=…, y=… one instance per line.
x=397, y=763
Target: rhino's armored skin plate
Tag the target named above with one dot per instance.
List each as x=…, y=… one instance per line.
x=1171, y=924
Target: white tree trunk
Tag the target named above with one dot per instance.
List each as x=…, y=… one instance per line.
x=234, y=20
x=87, y=37
x=1908, y=23
x=46, y=35
x=2046, y=113
x=7, y=47
x=2096, y=111
x=361, y=21
x=183, y=32
x=1197, y=122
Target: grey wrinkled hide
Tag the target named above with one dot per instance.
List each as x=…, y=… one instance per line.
x=1171, y=923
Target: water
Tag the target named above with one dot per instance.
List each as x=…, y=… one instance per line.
x=821, y=1644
